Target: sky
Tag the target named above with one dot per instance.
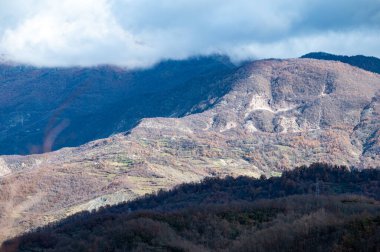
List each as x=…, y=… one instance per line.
x=140, y=33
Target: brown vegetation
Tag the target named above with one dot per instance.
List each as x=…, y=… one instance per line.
x=278, y=114
x=317, y=208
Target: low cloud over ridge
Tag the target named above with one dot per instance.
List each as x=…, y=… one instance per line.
x=138, y=33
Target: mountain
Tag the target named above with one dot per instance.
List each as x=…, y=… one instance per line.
x=274, y=116
x=321, y=208
x=45, y=109
x=367, y=63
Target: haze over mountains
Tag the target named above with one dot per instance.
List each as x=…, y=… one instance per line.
x=44, y=109
x=170, y=125
x=260, y=118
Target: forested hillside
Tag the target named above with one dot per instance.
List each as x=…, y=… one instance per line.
x=274, y=115
x=316, y=208
x=371, y=64
x=44, y=109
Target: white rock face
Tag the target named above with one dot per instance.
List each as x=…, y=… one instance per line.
x=229, y=125
x=289, y=124
x=250, y=127
x=4, y=170
x=260, y=102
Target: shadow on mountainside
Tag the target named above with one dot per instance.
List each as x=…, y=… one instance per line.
x=371, y=64
x=44, y=109
x=316, y=208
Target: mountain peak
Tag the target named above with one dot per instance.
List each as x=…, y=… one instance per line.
x=267, y=117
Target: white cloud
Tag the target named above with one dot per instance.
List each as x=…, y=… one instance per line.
x=70, y=32
x=138, y=33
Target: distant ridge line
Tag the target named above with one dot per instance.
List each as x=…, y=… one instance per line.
x=368, y=63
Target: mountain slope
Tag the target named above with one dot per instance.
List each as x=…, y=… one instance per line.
x=278, y=114
x=231, y=214
x=44, y=109
x=371, y=64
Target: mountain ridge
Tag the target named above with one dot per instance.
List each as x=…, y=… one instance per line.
x=368, y=63
x=278, y=114
x=45, y=109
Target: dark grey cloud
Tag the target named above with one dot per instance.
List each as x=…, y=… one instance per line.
x=340, y=15
x=138, y=33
